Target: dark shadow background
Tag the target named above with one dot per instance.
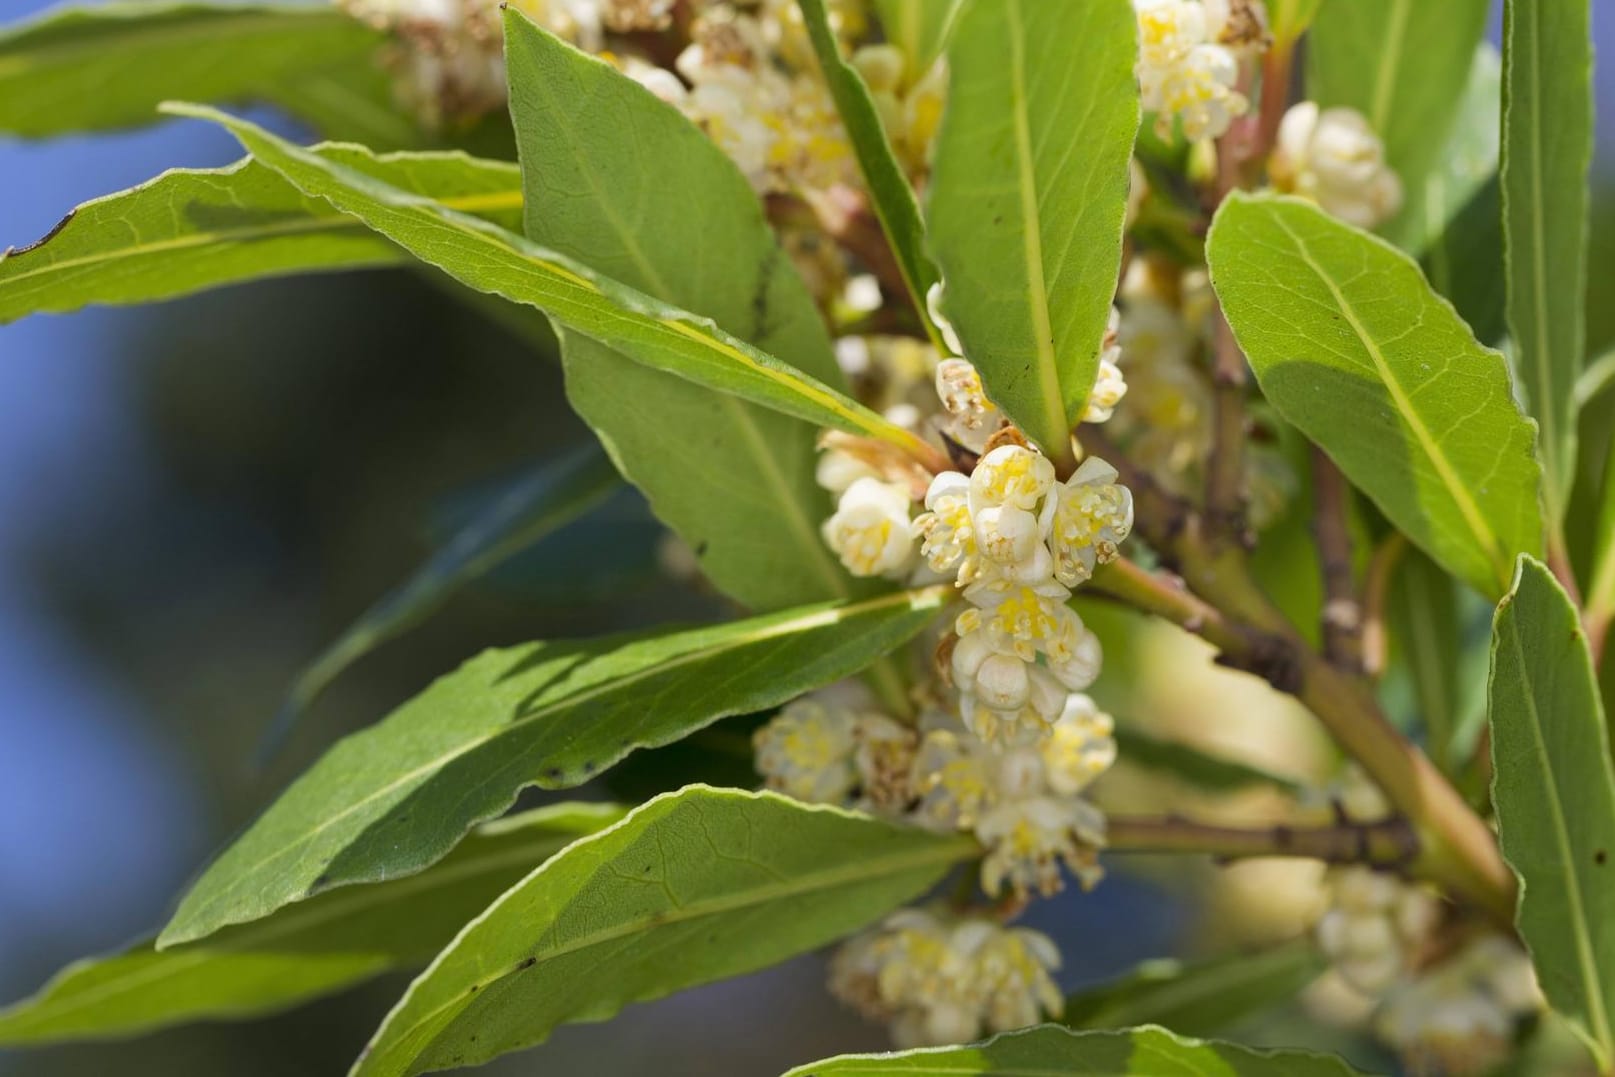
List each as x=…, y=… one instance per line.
x=194, y=499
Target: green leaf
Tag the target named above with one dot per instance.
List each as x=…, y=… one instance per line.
x=542, y=502
x=189, y=230
x=330, y=943
x=1404, y=65
x=1051, y=1051
x=1198, y=998
x=1547, y=146
x=889, y=190
x=1028, y=194
x=1351, y=345
x=391, y=799
x=620, y=181
x=692, y=887
x=486, y=258
x=919, y=27
x=1197, y=768
x=1554, y=790
x=1463, y=255
x=93, y=68
x=1422, y=613
x=1290, y=19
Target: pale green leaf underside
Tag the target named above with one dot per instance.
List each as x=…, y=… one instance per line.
x=1198, y=998
x=92, y=68
x=1547, y=146
x=317, y=948
x=1352, y=346
x=1028, y=194
x=889, y=190
x=620, y=181
x=1403, y=64
x=541, y=503
x=1554, y=788
x=392, y=799
x=489, y=259
x=189, y=230
x=1051, y=1051
x=692, y=887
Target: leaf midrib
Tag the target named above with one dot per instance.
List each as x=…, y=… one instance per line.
x=1546, y=403
x=1032, y=233
x=1391, y=58
x=335, y=222
x=811, y=621
x=843, y=873
x=1566, y=859
x=1467, y=508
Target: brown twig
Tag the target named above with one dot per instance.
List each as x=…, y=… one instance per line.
x=1390, y=843
x=1342, y=608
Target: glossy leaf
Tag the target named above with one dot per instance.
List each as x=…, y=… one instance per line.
x=193, y=229
x=1198, y=998
x=1404, y=65
x=1027, y=197
x=323, y=946
x=693, y=886
x=1193, y=766
x=1351, y=346
x=1547, y=146
x=1048, y=1049
x=1554, y=790
x=394, y=798
x=918, y=27
x=544, y=501
x=1462, y=205
x=690, y=232
x=889, y=190
x=487, y=258
x=106, y=66
x=1289, y=19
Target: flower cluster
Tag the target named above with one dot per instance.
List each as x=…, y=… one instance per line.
x=1017, y=541
x=1373, y=929
x=1459, y=1017
x=1334, y=158
x=447, y=56
x=1188, y=64
x=1023, y=803
x=940, y=979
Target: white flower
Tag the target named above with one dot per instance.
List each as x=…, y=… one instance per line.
x=1011, y=475
x=1109, y=386
x=933, y=306
x=838, y=469
x=869, y=530
x=940, y=979
x=1093, y=515
x=1374, y=926
x=1183, y=73
x=1081, y=746
x=1459, y=1016
x=806, y=751
x=1029, y=839
x=972, y=418
x=948, y=537
x=1332, y=157
x=829, y=744
x=955, y=778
